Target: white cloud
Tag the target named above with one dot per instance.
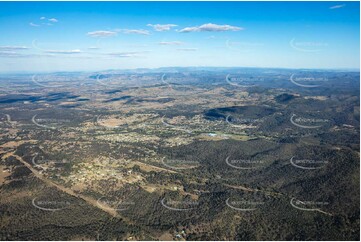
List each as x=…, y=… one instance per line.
x=135, y=31
x=75, y=51
x=49, y=22
x=54, y=20
x=162, y=27
x=12, y=54
x=7, y=48
x=34, y=25
x=171, y=43
x=93, y=48
x=187, y=49
x=63, y=51
x=338, y=6
x=126, y=54
x=9, y=54
x=102, y=33
x=106, y=33
x=210, y=28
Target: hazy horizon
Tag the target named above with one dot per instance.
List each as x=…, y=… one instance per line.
x=180, y=67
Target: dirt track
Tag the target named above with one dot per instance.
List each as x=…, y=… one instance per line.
x=89, y=200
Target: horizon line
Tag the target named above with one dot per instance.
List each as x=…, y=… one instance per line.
x=350, y=69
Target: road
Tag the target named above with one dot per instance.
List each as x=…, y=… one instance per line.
x=70, y=192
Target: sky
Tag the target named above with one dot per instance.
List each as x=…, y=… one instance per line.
x=95, y=36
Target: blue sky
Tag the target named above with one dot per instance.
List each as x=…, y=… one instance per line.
x=92, y=36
